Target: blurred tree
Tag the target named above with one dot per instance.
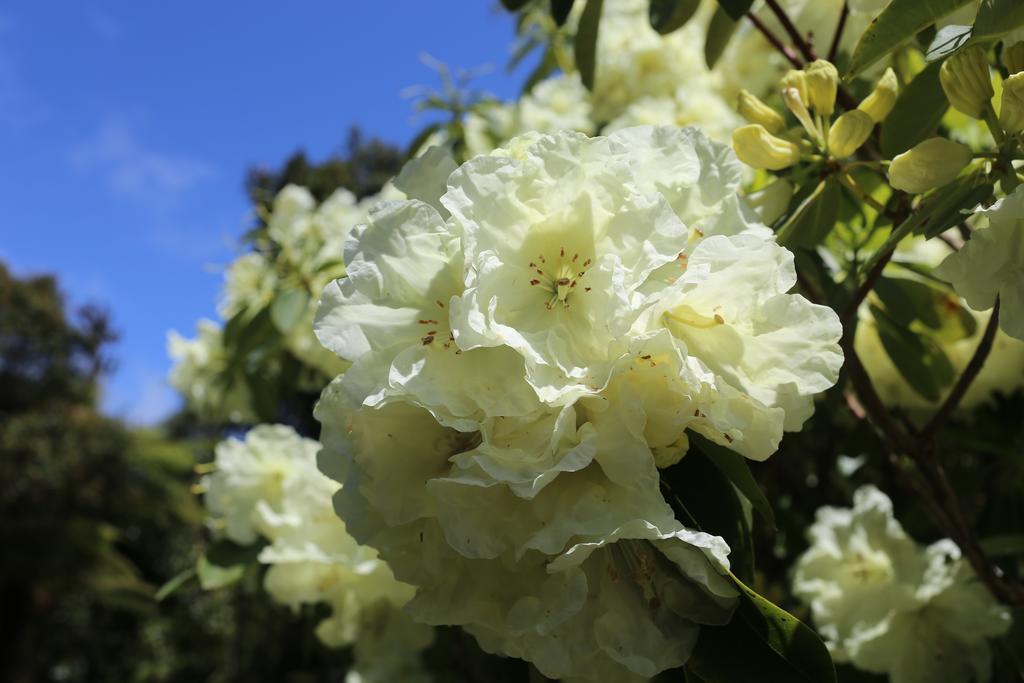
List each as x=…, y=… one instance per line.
x=363, y=167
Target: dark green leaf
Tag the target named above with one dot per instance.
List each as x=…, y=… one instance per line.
x=763, y=642
x=720, y=30
x=735, y=8
x=288, y=308
x=734, y=467
x=514, y=5
x=815, y=218
x=918, y=358
x=224, y=563
x=900, y=20
x=586, y=42
x=668, y=15
x=174, y=584
x=560, y=10
x=997, y=17
x=909, y=300
x=947, y=40
x=421, y=139
x=714, y=506
x=917, y=113
x=1005, y=545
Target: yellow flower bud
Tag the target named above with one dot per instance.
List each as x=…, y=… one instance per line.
x=822, y=80
x=932, y=163
x=966, y=80
x=849, y=132
x=880, y=102
x=791, y=96
x=754, y=110
x=1013, y=57
x=758, y=148
x=1011, y=108
x=796, y=79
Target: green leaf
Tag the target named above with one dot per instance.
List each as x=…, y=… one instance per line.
x=943, y=210
x=668, y=15
x=918, y=358
x=586, y=42
x=815, y=218
x=900, y=20
x=560, y=10
x=224, y=563
x=713, y=505
x=735, y=468
x=908, y=300
x=997, y=17
x=947, y=40
x=763, y=642
x=735, y=8
x=916, y=114
x=514, y=5
x=174, y=584
x=720, y=30
x=288, y=308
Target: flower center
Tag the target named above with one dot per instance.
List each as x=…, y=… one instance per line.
x=559, y=276
x=869, y=567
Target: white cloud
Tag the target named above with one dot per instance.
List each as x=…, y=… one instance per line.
x=133, y=169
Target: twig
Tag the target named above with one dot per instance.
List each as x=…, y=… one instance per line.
x=806, y=49
x=968, y=376
x=774, y=40
x=838, y=35
x=865, y=287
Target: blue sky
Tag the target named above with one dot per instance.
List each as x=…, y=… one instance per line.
x=126, y=128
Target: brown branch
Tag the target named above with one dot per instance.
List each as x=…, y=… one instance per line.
x=774, y=40
x=967, y=377
x=806, y=49
x=838, y=35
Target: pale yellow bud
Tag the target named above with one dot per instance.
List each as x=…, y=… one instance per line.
x=849, y=132
x=966, y=80
x=796, y=79
x=1013, y=57
x=754, y=110
x=1011, y=107
x=822, y=80
x=880, y=102
x=795, y=103
x=758, y=148
x=932, y=163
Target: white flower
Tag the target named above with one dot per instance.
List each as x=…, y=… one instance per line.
x=689, y=106
x=890, y=606
x=559, y=103
x=514, y=533
x=268, y=486
x=252, y=474
x=992, y=263
x=523, y=364
x=200, y=374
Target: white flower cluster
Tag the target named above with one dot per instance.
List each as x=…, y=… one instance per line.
x=888, y=605
x=305, y=252
x=200, y=376
x=268, y=487
x=527, y=349
x=302, y=252
x=642, y=78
